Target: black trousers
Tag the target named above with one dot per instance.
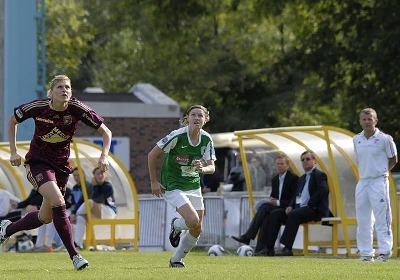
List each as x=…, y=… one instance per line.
x=259, y=221
x=292, y=221
x=12, y=216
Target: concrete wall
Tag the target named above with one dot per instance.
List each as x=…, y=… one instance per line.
x=143, y=133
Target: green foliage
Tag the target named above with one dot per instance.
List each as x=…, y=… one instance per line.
x=67, y=39
x=255, y=64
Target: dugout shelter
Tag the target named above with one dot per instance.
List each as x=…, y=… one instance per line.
x=124, y=229
x=335, y=156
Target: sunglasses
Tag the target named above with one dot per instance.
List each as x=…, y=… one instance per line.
x=306, y=159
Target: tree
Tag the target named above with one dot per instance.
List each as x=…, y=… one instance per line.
x=259, y=63
x=67, y=38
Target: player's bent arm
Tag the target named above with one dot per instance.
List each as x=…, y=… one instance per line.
x=106, y=135
x=15, y=158
x=209, y=168
x=392, y=162
x=152, y=162
x=12, y=134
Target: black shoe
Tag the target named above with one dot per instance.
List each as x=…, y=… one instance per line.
x=265, y=253
x=174, y=235
x=242, y=239
x=270, y=253
x=260, y=253
x=80, y=248
x=285, y=253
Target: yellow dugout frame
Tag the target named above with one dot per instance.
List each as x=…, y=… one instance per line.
x=335, y=156
x=84, y=155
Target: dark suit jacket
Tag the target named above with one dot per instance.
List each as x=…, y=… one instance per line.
x=34, y=198
x=288, y=189
x=319, y=194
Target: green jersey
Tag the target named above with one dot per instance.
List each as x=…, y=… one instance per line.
x=177, y=170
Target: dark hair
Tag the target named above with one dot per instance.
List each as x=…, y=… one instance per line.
x=95, y=169
x=184, y=120
x=308, y=152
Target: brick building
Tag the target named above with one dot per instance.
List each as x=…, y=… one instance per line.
x=144, y=115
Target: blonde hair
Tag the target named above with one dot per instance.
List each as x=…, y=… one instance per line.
x=283, y=157
x=55, y=80
x=184, y=120
x=369, y=111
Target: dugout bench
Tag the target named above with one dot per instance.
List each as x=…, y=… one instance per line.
x=334, y=151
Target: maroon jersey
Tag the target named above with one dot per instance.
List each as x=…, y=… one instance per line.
x=54, y=130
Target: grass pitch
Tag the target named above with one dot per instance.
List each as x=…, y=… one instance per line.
x=154, y=265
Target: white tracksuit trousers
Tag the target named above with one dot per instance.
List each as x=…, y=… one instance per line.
x=373, y=207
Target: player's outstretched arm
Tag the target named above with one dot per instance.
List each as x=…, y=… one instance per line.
x=106, y=135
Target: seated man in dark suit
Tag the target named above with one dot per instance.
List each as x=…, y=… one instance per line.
x=284, y=185
x=311, y=203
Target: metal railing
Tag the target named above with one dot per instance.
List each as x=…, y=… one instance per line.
x=152, y=222
x=154, y=227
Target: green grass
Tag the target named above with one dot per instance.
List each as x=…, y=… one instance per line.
x=154, y=265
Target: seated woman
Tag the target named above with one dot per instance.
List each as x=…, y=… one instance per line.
x=102, y=205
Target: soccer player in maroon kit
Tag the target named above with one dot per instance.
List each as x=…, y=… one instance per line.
x=47, y=162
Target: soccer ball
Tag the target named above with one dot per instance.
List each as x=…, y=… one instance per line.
x=216, y=250
x=25, y=246
x=245, y=251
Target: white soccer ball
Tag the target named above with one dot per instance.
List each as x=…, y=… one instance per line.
x=216, y=250
x=245, y=251
x=25, y=246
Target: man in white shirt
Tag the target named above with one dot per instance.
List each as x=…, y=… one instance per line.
x=376, y=155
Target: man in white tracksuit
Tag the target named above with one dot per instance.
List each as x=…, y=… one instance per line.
x=376, y=155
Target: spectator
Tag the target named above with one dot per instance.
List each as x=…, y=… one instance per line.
x=77, y=193
x=284, y=185
x=210, y=182
x=258, y=176
x=31, y=203
x=6, y=211
x=102, y=205
x=236, y=177
x=311, y=203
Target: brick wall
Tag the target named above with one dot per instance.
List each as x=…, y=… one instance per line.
x=143, y=133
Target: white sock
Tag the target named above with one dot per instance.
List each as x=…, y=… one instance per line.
x=80, y=230
x=180, y=224
x=50, y=233
x=186, y=244
x=40, y=235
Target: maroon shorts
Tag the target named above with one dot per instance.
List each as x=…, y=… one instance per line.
x=39, y=172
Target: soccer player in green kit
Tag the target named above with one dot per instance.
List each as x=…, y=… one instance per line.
x=188, y=151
